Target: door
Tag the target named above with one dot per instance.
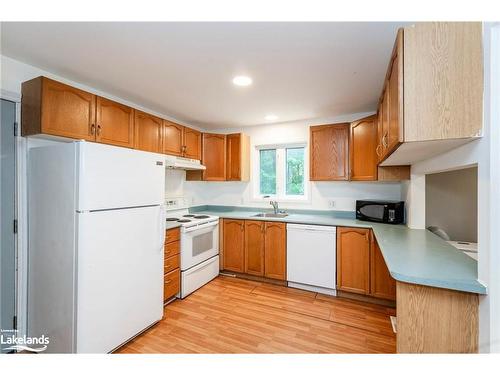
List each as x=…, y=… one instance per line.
x=148, y=132
x=67, y=111
x=382, y=285
x=192, y=144
x=116, y=177
x=115, y=123
x=120, y=276
x=353, y=260
x=329, y=152
x=362, y=151
x=275, y=251
x=8, y=215
x=172, y=138
x=254, y=247
x=234, y=245
x=199, y=243
x=214, y=157
x=233, y=157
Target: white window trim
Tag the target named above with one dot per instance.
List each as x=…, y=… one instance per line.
x=280, y=171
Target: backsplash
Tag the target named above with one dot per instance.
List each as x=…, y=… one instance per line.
x=342, y=194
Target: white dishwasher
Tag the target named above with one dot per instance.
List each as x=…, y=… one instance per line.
x=311, y=255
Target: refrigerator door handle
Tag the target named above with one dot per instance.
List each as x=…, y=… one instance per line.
x=162, y=223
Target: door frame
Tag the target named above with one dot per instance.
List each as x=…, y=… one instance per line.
x=21, y=239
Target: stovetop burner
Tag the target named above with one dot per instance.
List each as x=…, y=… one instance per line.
x=172, y=218
x=183, y=221
x=201, y=216
x=188, y=215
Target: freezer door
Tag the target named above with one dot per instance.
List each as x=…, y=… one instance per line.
x=117, y=177
x=120, y=276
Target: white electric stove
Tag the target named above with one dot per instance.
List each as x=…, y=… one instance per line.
x=199, y=244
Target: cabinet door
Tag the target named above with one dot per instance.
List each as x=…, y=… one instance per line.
x=254, y=247
x=275, y=251
x=385, y=124
x=67, y=111
x=214, y=157
x=363, y=143
x=172, y=138
x=329, y=147
x=233, y=157
x=192, y=144
x=395, y=93
x=148, y=132
x=234, y=245
x=382, y=285
x=115, y=123
x=353, y=260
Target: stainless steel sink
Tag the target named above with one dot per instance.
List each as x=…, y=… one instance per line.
x=265, y=214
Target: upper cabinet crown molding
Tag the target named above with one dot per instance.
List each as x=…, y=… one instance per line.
x=432, y=99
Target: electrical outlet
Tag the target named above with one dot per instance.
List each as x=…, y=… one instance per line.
x=331, y=203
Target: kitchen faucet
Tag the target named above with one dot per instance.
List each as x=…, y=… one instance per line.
x=275, y=206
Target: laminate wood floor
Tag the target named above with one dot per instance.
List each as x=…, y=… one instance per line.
x=231, y=315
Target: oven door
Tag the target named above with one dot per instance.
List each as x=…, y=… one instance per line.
x=199, y=244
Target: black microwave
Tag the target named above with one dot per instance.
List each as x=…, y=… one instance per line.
x=389, y=212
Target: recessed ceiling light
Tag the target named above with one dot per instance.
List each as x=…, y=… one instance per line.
x=242, y=81
x=271, y=118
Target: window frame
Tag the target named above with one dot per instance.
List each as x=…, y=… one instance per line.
x=280, y=195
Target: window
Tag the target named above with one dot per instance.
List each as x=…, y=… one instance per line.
x=281, y=171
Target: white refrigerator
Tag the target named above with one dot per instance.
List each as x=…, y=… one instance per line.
x=95, y=253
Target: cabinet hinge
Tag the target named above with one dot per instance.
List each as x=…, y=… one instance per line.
x=15, y=226
x=16, y=129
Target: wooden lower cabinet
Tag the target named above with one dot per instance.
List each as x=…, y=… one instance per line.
x=382, y=285
x=275, y=251
x=171, y=284
x=361, y=267
x=254, y=247
x=234, y=245
x=171, y=265
x=353, y=260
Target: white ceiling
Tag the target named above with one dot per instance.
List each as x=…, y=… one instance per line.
x=184, y=70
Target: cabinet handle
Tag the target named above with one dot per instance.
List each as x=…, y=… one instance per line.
x=241, y=227
x=384, y=140
x=262, y=227
x=377, y=150
x=98, y=129
x=168, y=281
x=92, y=129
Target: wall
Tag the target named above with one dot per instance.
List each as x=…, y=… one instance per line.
x=451, y=203
x=343, y=194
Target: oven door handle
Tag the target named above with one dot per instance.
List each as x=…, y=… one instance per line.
x=202, y=226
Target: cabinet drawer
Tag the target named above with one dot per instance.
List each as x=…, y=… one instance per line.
x=171, y=263
x=172, y=248
x=172, y=235
x=171, y=284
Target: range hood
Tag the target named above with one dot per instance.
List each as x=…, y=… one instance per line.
x=176, y=162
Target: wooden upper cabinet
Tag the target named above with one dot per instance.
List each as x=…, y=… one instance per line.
x=237, y=157
x=192, y=144
x=443, y=81
x=363, y=157
x=254, y=247
x=329, y=152
x=148, y=132
x=234, y=245
x=275, y=250
x=115, y=123
x=173, y=138
x=50, y=107
x=382, y=285
x=353, y=260
x=214, y=157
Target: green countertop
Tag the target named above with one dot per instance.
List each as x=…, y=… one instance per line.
x=414, y=256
